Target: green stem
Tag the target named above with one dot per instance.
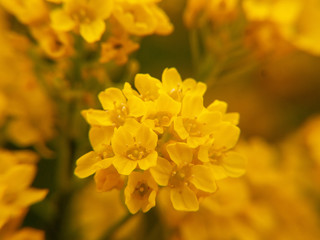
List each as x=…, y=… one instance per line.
x=194, y=48
x=111, y=231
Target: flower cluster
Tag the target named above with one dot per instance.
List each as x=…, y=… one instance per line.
x=287, y=21
x=17, y=170
x=161, y=135
x=24, y=120
x=115, y=20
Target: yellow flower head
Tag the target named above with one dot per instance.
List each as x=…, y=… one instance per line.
x=161, y=135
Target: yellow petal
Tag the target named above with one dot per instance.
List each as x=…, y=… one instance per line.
x=93, y=31
x=137, y=107
x=184, y=199
x=107, y=179
x=171, y=80
x=124, y=165
x=128, y=91
x=85, y=164
x=111, y=97
x=234, y=164
x=19, y=177
x=197, y=88
x=147, y=86
x=225, y=136
x=97, y=117
x=162, y=171
x=100, y=137
x=164, y=27
x=133, y=204
x=180, y=153
x=218, y=171
x=166, y=104
x=209, y=120
x=232, y=118
x=203, y=179
x=203, y=153
x=219, y=106
x=146, y=137
x=192, y=106
x=179, y=128
x=103, y=8
x=61, y=21
x=31, y=196
x=149, y=161
x=121, y=139
x=150, y=203
x=194, y=142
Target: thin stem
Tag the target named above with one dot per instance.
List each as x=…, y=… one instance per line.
x=195, y=49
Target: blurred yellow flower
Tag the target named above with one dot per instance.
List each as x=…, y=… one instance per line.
x=16, y=175
x=294, y=20
x=86, y=15
x=142, y=17
x=29, y=12
x=117, y=48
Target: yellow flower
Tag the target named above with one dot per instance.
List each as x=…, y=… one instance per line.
x=147, y=86
x=294, y=21
x=101, y=157
x=161, y=113
x=195, y=123
x=134, y=144
x=54, y=44
x=140, y=192
x=223, y=162
x=176, y=88
x=118, y=48
x=141, y=17
x=86, y=15
x=107, y=179
x=29, y=12
x=17, y=172
x=116, y=109
x=183, y=177
x=221, y=106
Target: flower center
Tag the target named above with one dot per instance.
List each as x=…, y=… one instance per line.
x=142, y=189
x=193, y=127
x=180, y=177
x=119, y=113
x=137, y=153
x=82, y=15
x=162, y=119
